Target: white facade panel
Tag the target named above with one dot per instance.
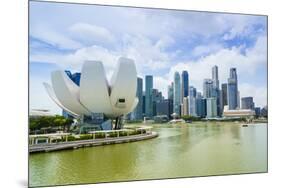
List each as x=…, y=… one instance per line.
x=94, y=89
x=52, y=95
x=67, y=92
x=123, y=86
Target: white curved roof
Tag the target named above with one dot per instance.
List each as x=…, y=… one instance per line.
x=52, y=95
x=67, y=92
x=123, y=86
x=95, y=95
x=94, y=90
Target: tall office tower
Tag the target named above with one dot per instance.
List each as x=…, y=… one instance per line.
x=137, y=113
x=177, y=93
x=216, y=88
x=192, y=91
x=185, y=106
x=156, y=97
x=247, y=103
x=215, y=76
x=224, y=94
x=232, y=90
x=184, y=85
x=258, y=111
x=171, y=91
x=201, y=107
x=211, y=107
x=192, y=101
x=238, y=99
x=143, y=103
x=208, y=88
x=148, y=95
x=164, y=107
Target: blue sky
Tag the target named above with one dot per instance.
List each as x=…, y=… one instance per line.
x=63, y=36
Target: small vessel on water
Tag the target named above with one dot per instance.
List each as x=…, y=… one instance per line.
x=245, y=125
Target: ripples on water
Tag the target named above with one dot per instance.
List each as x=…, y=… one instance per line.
x=196, y=149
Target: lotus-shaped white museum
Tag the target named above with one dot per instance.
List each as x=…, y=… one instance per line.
x=96, y=95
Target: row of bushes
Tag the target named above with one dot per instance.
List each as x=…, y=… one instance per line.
x=97, y=135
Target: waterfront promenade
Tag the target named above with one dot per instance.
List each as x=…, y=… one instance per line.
x=88, y=143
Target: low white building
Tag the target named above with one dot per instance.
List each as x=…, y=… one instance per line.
x=238, y=112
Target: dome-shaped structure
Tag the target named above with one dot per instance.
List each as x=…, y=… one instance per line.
x=96, y=94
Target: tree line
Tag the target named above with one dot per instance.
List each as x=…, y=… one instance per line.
x=49, y=123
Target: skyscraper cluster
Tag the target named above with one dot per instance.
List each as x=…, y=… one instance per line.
x=185, y=99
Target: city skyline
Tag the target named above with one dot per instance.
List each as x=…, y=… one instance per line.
x=230, y=41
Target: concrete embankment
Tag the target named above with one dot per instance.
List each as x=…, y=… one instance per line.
x=89, y=143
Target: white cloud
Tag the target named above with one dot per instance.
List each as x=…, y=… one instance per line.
x=203, y=50
x=89, y=33
x=57, y=39
x=148, y=56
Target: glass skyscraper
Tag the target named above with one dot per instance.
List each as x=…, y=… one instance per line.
x=177, y=93
x=171, y=91
x=215, y=76
x=184, y=85
x=224, y=94
x=232, y=90
x=247, y=103
x=208, y=88
x=137, y=113
x=211, y=107
x=148, y=95
x=164, y=107
x=200, y=105
x=216, y=88
x=192, y=101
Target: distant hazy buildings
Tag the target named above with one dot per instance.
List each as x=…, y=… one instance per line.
x=232, y=90
x=177, y=93
x=247, y=103
x=148, y=95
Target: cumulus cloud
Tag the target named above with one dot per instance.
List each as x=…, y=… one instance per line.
x=89, y=33
x=54, y=38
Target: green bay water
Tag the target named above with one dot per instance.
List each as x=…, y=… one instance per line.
x=187, y=150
